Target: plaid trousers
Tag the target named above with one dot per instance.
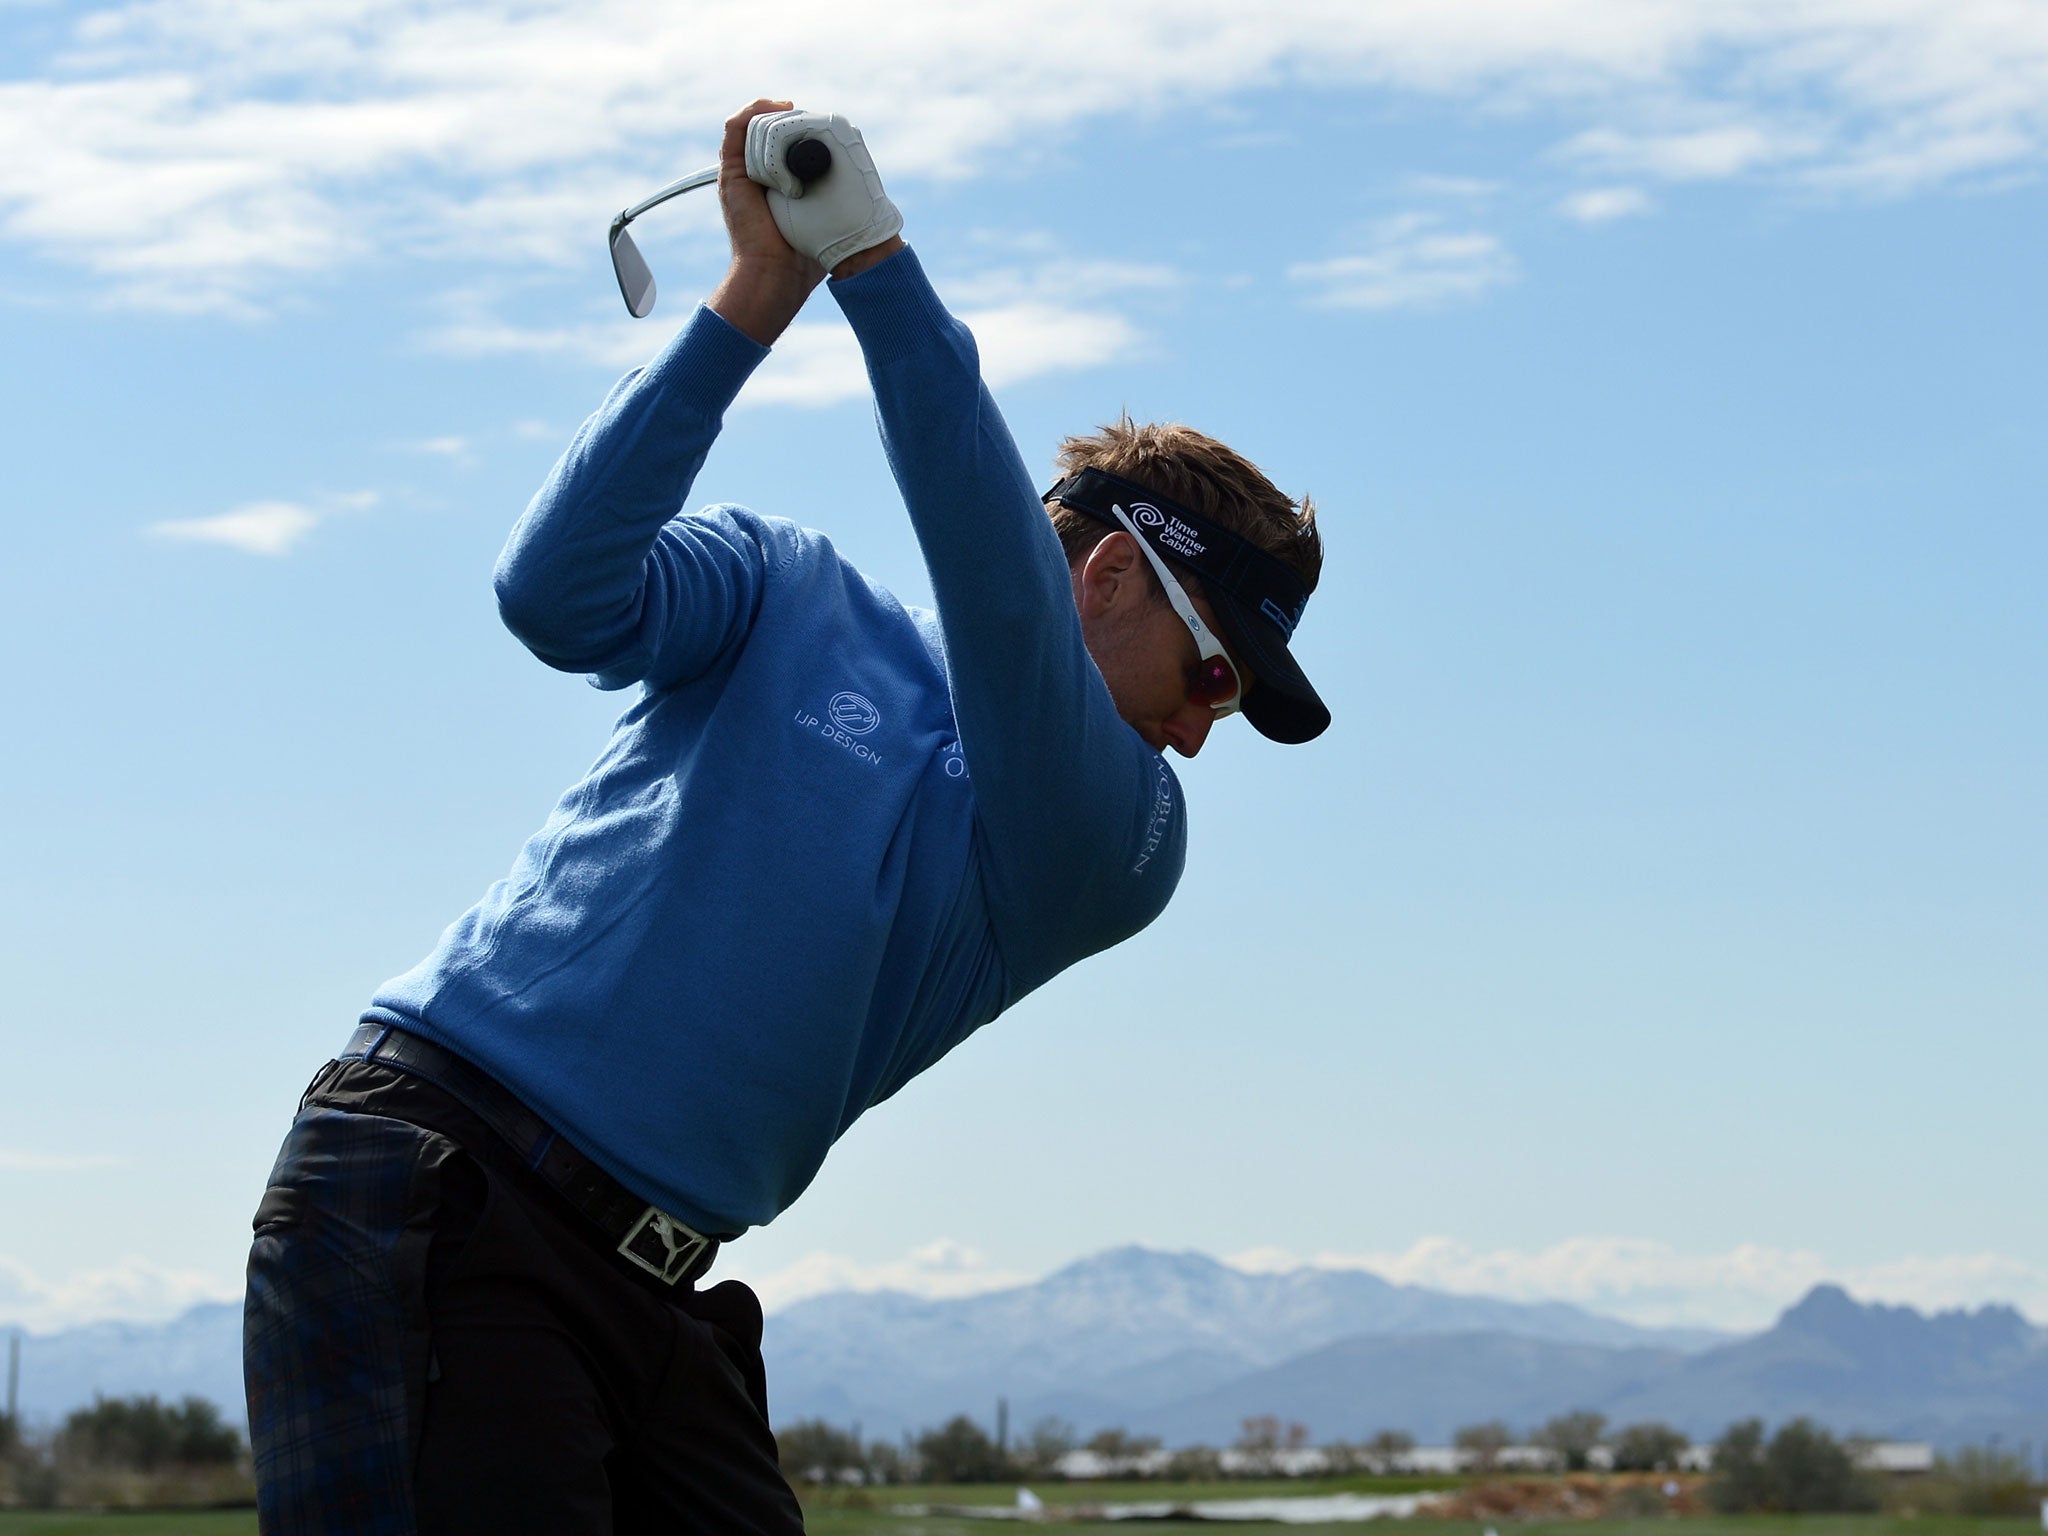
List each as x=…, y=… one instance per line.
x=435, y=1342
x=335, y=1343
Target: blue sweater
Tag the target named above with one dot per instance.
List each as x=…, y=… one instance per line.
x=833, y=835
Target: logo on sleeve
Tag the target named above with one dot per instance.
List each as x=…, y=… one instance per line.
x=1162, y=818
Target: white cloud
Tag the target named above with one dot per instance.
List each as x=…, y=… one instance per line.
x=1467, y=189
x=940, y=1269
x=14, y=1160
x=1651, y=1282
x=617, y=345
x=1603, y=205
x=1705, y=154
x=1023, y=341
x=818, y=363
x=450, y=447
x=1057, y=278
x=131, y=1290
x=260, y=528
x=1409, y=262
x=213, y=153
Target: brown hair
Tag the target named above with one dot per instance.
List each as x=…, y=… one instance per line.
x=1201, y=474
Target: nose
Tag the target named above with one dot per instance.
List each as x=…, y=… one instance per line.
x=1188, y=727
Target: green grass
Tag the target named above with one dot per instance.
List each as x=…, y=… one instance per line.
x=842, y=1518
x=868, y=1512
x=1133, y=1491
x=195, y=1522
x=843, y=1521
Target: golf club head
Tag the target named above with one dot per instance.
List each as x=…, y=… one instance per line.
x=636, y=282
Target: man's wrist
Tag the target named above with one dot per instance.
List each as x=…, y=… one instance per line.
x=759, y=299
x=874, y=255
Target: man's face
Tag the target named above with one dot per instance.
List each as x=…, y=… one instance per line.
x=1145, y=653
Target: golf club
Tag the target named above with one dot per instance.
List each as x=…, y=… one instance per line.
x=808, y=159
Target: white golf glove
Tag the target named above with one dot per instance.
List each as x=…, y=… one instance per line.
x=843, y=211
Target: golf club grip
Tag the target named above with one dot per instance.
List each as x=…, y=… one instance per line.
x=808, y=159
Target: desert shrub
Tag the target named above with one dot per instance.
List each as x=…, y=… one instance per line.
x=1044, y=1444
x=1803, y=1470
x=960, y=1451
x=813, y=1451
x=1807, y=1470
x=1122, y=1450
x=143, y=1434
x=1649, y=1447
x=888, y=1464
x=1571, y=1437
x=1483, y=1443
x=1988, y=1482
x=1738, y=1481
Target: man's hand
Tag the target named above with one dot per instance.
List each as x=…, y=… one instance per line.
x=835, y=215
x=768, y=280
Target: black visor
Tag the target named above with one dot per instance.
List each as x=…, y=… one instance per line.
x=1258, y=600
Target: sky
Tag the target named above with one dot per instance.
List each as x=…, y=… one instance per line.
x=1660, y=926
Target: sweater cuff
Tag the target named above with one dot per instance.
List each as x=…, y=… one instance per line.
x=705, y=362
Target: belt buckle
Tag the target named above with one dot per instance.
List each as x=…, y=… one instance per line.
x=661, y=1245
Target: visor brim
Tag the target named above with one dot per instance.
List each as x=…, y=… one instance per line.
x=1282, y=704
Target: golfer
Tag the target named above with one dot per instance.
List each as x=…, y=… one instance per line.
x=830, y=837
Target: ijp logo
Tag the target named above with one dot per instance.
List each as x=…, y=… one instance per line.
x=853, y=714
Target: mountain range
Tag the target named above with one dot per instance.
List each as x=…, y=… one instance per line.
x=1183, y=1347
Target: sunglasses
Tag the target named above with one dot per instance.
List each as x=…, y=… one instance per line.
x=1215, y=681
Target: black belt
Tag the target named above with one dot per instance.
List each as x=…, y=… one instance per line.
x=665, y=1246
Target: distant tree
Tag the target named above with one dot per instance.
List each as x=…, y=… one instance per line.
x=1483, y=1443
x=1341, y=1458
x=1044, y=1444
x=10, y=1434
x=1807, y=1470
x=1120, y=1450
x=1256, y=1448
x=886, y=1463
x=813, y=1451
x=1389, y=1448
x=146, y=1435
x=1260, y=1433
x=1988, y=1482
x=1195, y=1464
x=960, y=1451
x=1263, y=1438
x=1572, y=1436
x=1648, y=1447
x=1738, y=1483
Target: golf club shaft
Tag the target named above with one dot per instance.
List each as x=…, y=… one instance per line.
x=689, y=183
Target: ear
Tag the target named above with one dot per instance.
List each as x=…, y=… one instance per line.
x=1112, y=576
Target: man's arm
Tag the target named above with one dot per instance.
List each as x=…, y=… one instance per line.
x=600, y=575
x=1082, y=822
x=767, y=281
